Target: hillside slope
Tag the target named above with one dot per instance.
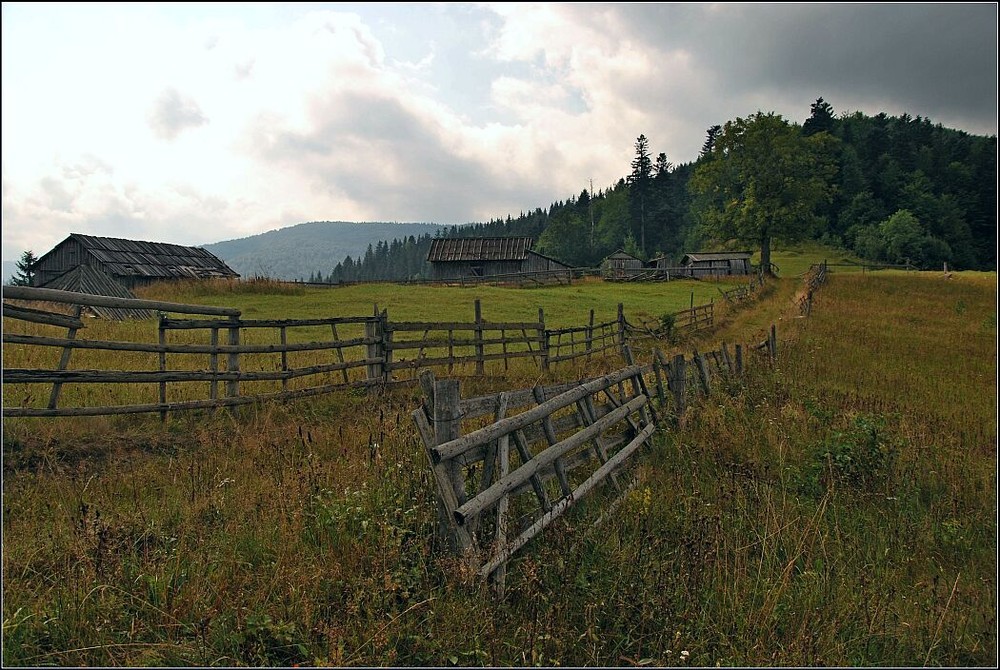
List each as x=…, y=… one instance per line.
x=296, y=252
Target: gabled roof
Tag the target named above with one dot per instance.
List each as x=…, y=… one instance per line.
x=717, y=256
x=129, y=258
x=90, y=280
x=621, y=253
x=479, y=249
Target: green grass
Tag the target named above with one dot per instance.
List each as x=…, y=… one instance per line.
x=835, y=509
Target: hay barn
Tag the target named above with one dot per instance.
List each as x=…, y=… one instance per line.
x=130, y=263
x=462, y=257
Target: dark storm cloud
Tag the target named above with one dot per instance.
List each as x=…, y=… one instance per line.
x=934, y=60
x=172, y=113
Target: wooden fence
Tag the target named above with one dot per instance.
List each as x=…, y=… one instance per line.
x=531, y=454
x=261, y=360
x=814, y=278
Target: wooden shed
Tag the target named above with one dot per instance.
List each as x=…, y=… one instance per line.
x=463, y=257
x=90, y=280
x=130, y=263
x=717, y=263
x=621, y=264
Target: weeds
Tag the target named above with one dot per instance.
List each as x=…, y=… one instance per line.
x=836, y=508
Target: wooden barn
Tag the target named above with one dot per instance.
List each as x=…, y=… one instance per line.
x=90, y=280
x=463, y=257
x=621, y=264
x=128, y=262
x=717, y=263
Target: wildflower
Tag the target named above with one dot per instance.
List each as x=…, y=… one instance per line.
x=685, y=654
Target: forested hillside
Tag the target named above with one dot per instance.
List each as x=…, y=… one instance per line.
x=892, y=189
x=302, y=251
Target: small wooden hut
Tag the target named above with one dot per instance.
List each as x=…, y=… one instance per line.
x=717, y=263
x=620, y=265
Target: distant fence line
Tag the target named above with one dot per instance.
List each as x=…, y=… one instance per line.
x=236, y=360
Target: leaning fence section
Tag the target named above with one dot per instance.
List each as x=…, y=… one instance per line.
x=504, y=483
x=506, y=465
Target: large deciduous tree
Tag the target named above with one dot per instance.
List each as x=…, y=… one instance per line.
x=763, y=180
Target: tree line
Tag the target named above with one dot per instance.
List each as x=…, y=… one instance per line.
x=888, y=188
x=892, y=189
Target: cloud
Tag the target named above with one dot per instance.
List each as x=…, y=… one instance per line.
x=445, y=113
x=173, y=113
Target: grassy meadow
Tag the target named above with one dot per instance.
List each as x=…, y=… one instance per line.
x=836, y=507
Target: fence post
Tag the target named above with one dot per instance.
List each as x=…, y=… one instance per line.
x=678, y=382
x=66, y=353
x=739, y=359
x=543, y=341
x=621, y=327
x=772, y=343
x=590, y=333
x=386, y=345
x=727, y=359
x=233, y=360
x=706, y=383
x=658, y=365
x=213, y=364
x=284, y=357
x=480, y=363
x=372, y=347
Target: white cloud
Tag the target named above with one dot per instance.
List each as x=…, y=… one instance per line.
x=264, y=116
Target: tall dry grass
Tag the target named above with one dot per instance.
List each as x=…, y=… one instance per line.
x=836, y=508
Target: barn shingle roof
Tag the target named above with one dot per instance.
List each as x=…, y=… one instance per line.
x=89, y=280
x=155, y=260
x=717, y=256
x=479, y=249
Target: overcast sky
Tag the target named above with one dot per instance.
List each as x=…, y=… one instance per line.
x=198, y=122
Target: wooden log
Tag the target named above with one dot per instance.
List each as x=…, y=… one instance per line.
x=739, y=359
x=659, y=365
x=491, y=495
x=73, y=298
x=447, y=427
x=386, y=346
x=112, y=345
x=233, y=360
x=521, y=443
x=64, y=358
x=176, y=406
x=581, y=491
x=213, y=366
x=678, y=383
x=772, y=343
x=703, y=376
x=455, y=447
x=590, y=332
x=163, y=367
x=196, y=324
x=284, y=356
x=728, y=361
x=40, y=316
x=543, y=341
x=339, y=350
x=480, y=363
x=550, y=437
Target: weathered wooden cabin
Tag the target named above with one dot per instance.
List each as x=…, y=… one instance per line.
x=621, y=264
x=716, y=263
x=464, y=257
x=90, y=280
x=130, y=263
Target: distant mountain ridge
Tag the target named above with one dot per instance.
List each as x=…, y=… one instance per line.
x=300, y=251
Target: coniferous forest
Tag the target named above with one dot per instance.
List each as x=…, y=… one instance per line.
x=890, y=189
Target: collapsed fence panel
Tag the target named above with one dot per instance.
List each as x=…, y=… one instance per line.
x=565, y=444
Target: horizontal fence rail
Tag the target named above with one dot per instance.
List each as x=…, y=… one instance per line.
x=506, y=465
x=211, y=362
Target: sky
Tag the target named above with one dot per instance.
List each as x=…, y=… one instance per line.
x=194, y=123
